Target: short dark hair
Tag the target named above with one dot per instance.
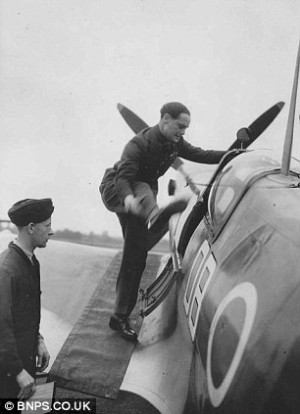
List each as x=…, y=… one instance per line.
x=174, y=109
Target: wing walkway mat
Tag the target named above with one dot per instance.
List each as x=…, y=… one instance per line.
x=94, y=358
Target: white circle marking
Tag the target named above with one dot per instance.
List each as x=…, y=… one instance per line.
x=248, y=293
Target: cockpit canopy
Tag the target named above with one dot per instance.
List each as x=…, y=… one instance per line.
x=233, y=182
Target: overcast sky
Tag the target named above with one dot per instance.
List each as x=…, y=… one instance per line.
x=65, y=64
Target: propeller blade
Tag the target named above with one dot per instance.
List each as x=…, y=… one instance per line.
x=257, y=128
x=260, y=125
x=131, y=119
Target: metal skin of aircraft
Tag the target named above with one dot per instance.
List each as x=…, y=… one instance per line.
x=225, y=337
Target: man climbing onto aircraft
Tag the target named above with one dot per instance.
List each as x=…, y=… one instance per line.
x=130, y=188
x=22, y=348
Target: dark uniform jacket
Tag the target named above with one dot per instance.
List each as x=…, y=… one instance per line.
x=145, y=158
x=19, y=312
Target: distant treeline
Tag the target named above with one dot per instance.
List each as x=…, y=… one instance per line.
x=91, y=239
x=101, y=240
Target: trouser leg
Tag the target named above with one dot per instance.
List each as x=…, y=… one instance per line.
x=113, y=203
x=149, y=204
x=135, y=233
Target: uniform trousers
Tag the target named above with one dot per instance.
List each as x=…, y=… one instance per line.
x=135, y=234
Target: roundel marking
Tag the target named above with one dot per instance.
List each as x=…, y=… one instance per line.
x=247, y=292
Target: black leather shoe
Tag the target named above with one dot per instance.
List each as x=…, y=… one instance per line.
x=122, y=325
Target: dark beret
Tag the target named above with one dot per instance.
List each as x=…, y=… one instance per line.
x=30, y=211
